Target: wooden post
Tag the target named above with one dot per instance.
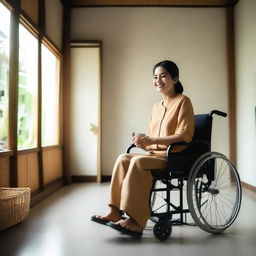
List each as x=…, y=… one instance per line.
x=231, y=82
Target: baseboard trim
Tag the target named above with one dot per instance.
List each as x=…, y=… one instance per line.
x=248, y=186
x=106, y=178
x=54, y=186
x=83, y=178
x=92, y=178
x=48, y=190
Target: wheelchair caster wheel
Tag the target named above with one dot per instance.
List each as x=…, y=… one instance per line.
x=162, y=230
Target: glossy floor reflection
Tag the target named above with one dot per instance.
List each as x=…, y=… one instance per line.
x=60, y=226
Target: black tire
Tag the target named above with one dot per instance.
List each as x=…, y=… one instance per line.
x=214, y=192
x=162, y=230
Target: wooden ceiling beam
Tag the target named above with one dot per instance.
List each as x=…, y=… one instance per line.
x=174, y=3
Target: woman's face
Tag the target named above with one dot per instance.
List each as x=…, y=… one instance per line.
x=163, y=81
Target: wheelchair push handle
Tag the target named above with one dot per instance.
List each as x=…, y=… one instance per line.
x=219, y=113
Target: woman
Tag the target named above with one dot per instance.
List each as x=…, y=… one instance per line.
x=172, y=121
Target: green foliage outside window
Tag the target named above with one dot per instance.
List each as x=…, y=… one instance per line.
x=28, y=84
x=28, y=88
x=25, y=135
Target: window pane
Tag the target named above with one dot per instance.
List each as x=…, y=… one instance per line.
x=50, y=97
x=4, y=74
x=28, y=84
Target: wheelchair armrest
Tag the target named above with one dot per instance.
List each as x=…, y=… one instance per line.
x=130, y=147
x=170, y=148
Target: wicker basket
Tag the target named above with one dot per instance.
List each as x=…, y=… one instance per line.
x=14, y=206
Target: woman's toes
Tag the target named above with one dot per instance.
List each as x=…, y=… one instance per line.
x=108, y=217
x=129, y=224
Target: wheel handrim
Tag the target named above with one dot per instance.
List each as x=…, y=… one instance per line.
x=215, y=206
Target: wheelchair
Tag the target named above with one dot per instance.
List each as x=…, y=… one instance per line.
x=213, y=187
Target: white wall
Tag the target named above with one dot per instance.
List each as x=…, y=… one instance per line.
x=246, y=89
x=134, y=39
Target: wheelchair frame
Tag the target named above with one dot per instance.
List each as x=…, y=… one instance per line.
x=211, y=182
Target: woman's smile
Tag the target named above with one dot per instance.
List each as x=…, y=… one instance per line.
x=160, y=85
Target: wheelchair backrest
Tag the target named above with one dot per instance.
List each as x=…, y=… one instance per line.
x=180, y=163
x=203, y=125
x=203, y=128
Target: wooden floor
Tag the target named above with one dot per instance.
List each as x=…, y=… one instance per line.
x=60, y=226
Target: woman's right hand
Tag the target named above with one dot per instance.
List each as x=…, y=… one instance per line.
x=142, y=141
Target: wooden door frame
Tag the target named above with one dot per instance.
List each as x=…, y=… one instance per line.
x=94, y=44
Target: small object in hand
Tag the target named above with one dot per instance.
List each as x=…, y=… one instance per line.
x=137, y=134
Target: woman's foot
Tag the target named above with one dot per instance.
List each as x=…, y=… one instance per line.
x=129, y=224
x=114, y=215
x=127, y=227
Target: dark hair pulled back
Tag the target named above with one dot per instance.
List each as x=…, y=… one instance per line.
x=173, y=70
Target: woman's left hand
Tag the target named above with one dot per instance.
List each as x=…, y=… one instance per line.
x=142, y=141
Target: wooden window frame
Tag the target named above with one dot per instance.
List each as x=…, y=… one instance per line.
x=19, y=17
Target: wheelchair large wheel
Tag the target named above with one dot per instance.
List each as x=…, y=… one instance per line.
x=214, y=192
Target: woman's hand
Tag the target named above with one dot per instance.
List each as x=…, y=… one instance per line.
x=142, y=141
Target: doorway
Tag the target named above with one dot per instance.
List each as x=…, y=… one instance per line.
x=85, y=80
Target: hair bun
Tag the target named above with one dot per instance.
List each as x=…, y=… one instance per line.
x=178, y=87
